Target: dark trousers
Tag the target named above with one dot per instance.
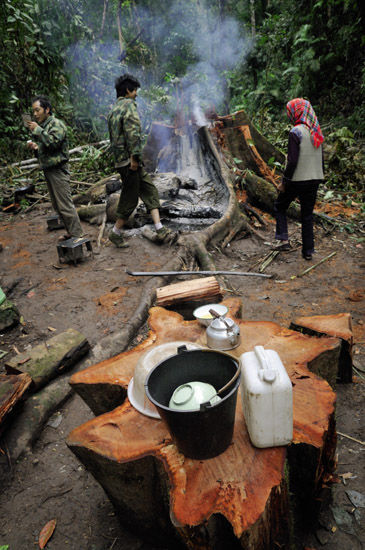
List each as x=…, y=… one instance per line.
x=306, y=191
x=136, y=183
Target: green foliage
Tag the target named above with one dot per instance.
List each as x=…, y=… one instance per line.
x=70, y=51
x=32, y=37
x=301, y=50
x=345, y=162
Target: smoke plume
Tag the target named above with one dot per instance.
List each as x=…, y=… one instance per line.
x=213, y=44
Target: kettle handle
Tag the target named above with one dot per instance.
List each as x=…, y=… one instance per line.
x=221, y=317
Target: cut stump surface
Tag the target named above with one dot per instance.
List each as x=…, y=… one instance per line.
x=339, y=326
x=244, y=484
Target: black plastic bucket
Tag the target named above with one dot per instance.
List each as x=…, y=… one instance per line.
x=203, y=433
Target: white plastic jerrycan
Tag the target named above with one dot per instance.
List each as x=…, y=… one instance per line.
x=267, y=398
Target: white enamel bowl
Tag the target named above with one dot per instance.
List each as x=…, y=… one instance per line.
x=204, y=317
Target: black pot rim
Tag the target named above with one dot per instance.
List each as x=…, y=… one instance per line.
x=192, y=411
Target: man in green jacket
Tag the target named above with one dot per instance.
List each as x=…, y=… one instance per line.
x=126, y=144
x=50, y=145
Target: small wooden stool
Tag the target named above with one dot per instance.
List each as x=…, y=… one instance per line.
x=72, y=249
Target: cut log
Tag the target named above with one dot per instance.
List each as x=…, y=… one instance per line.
x=93, y=213
x=339, y=326
x=28, y=424
x=195, y=290
x=12, y=389
x=97, y=191
x=240, y=496
x=46, y=361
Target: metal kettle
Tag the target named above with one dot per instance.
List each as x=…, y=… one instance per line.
x=223, y=333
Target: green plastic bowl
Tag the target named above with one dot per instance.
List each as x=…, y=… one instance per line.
x=191, y=395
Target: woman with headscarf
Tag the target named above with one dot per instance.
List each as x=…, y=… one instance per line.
x=303, y=174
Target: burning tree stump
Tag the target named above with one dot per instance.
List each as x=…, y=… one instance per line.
x=237, y=499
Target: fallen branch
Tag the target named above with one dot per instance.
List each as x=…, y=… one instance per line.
x=33, y=205
x=78, y=149
x=352, y=438
x=164, y=273
x=313, y=266
x=268, y=259
x=101, y=232
x=250, y=210
x=82, y=183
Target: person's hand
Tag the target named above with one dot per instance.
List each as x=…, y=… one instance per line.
x=134, y=164
x=281, y=187
x=32, y=125
x=32, y=145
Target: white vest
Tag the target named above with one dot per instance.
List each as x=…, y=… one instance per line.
x=309, y=165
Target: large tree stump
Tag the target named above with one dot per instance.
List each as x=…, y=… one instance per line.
x=238, y=498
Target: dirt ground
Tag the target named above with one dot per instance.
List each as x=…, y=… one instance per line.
x=97, y=298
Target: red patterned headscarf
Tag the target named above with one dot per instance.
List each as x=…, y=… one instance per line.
x=300, y=111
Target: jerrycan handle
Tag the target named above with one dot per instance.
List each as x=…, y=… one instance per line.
x=266, y=373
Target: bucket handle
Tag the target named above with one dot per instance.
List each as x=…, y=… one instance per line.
x=266, y=372
x=207, y=404
x=233, y=379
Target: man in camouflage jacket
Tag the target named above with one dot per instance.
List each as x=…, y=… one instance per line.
x=50, y=145
x=126, y=145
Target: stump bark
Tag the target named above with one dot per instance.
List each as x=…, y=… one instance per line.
x=238, y=498
x=264, y=147
x=12, y=389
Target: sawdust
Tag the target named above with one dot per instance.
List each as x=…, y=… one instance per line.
x=56, y=283
x=111, y=301
x=335, y=209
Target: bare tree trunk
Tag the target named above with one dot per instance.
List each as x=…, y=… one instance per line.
x=253, y=21
x=120, y=34
x=106, y=3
